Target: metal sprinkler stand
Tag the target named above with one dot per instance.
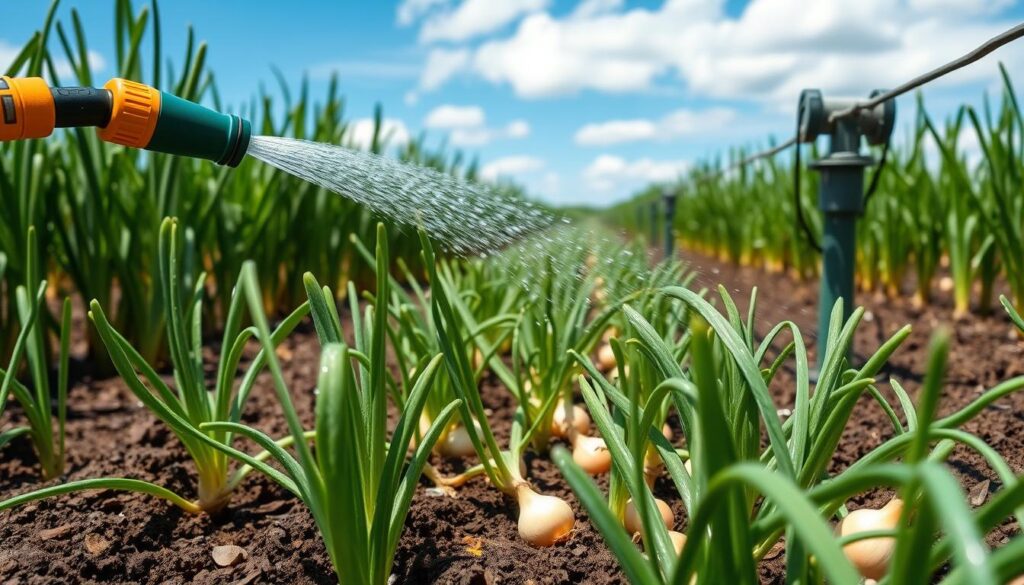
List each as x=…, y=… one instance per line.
x=668, y=195
x=841, y=194
x=654, y=224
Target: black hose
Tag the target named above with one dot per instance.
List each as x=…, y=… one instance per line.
x=811, y=239
x=873, y=185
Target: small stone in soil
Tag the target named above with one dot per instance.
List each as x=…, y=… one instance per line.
x=979, y=493
x=228, y=555
x=276, y=506
x=57, y=532
x=96, y=544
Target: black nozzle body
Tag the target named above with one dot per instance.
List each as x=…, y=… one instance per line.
x=82, y=106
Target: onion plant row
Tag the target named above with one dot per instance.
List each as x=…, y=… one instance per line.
x=97, y=207
x=945, y=216
x=597, y=356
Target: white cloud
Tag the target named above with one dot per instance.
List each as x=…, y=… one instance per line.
x=962, y=6
x=768, y=53
x=393, y=132
x=9, y=52
x=518, y=129
x=442, y=65
x=550, y=185
x=468, y=125
x=608, y=173
x=547, y=57
x=509, y=166
x=409, y=11
x=473, y=18
x=482, y=136
x=591, y=8
x=614, y=132
x=448, y=116
x=682, y=122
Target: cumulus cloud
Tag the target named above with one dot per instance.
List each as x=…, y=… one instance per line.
x=442, y=65
x=394, y=132
x=468, y=125
x=768, y=53
x=447, y=117
x=591, y=8
x=511, y=166
x=683, y=122
x=409, y=11
x=608, y=173
x=468, y=20
x=482, y=136
x=548, y=57
x=8, y=52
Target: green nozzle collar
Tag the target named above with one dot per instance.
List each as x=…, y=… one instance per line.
x=189, y=129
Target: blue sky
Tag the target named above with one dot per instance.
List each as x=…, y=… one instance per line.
x=581, y=101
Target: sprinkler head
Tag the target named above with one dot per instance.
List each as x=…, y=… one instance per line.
x=815, y=112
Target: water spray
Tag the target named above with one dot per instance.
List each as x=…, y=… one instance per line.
x=463, y=217
x=124, y=112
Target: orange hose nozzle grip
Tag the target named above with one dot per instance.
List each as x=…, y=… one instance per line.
x=133, y=117
x=26, y=108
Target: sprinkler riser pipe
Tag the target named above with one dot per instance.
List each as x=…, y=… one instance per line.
x=841, y=201
x=670, y=217
x=654, y=223
x=841, y=192
x=126, y=113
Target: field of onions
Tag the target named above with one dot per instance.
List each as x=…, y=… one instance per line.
x=216, y=375
x=944, y=216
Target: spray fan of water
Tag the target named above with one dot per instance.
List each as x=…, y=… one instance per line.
x=463, y=217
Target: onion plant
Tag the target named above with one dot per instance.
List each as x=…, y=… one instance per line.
x=98, y=206
x=190, y=404
x=935, y=207
x=543, y=520
x=413, y=334
x=741, y=498
x=45, y=424
x=358, y=486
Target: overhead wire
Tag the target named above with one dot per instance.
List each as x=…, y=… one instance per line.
x=973, y=56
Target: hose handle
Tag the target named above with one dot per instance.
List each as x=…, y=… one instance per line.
x=124, y=112
x=27, y=108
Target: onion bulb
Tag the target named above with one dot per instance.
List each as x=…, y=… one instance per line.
x=580, y=421
x=678, y=541
x=543, y=520
x=871, y=556
x=591, y=454
x=652, y=466
x=456, y=442
x=606, y=358
x=631, y=518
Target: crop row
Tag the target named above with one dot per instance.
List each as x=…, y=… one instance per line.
x=946, y=214
x=635, y=343
x=96, y=207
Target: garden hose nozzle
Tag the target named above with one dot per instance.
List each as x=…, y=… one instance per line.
x=124, y=112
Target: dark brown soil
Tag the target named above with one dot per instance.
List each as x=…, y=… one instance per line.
x=125, y=538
